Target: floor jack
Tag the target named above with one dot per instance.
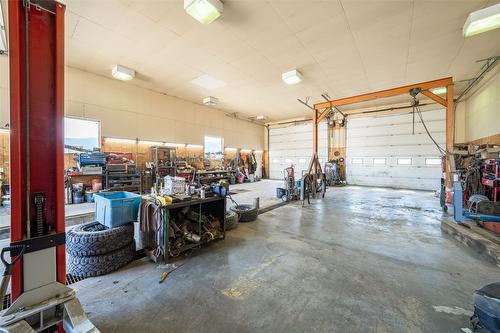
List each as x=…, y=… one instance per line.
x=41, y=301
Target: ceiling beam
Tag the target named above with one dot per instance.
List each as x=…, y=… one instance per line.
x=434, y=97
x=384, y=93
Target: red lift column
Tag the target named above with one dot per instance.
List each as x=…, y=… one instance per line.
x=36, y=57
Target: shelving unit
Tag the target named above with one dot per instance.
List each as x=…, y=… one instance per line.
x=214, y=175
x=122, y=181
x=164, y=163
x=216, y=206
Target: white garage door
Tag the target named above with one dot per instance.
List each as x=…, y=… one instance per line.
x=293, y=145
x=382, y=151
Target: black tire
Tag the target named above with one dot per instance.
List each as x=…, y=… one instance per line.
x=102, y=264
x=231, y=220
x=92, y=239
x=246, y=213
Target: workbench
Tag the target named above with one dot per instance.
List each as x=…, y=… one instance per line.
x=216, y=206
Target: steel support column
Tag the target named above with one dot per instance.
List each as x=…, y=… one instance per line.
x=36, y=57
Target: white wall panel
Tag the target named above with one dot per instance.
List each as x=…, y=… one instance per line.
x=293, y=145
x=391, y=138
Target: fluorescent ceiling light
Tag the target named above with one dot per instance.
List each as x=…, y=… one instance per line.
x=208, y=82
x=482, y=20
x=122, y=73
x=167, y=144
x=260, y=117
x=151, y=143
x=204, y=11
x=245, y=150
x=291, y=77
x=119, y=140
x=194, y=146
x=210, y=101
x=231, y=149
x=3, y=35
x=439, y=91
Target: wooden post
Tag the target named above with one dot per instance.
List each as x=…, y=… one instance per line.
x=450, y=130
x=450, y=118
x=315, y=132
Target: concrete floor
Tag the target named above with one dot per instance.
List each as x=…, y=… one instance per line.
x=264, y=189
x=361, y=260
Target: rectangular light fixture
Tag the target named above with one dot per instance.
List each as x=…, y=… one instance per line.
x=122, y=73
x=194, y=146
x=245, y=150
x=120, y=140
x=210, y=101
x=204, y=11
x=3, y=35
x=151, y=143
x=291, y=77
x=168, y=144
x=439, y=90
x=231, y=149
x=260, y=117
x=482, y=20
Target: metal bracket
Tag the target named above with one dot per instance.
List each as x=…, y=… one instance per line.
x=40, y=243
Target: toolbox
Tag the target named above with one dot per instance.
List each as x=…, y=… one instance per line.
x=98, y=159
x=487, y=308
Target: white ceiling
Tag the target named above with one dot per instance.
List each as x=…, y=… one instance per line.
x=343, y=47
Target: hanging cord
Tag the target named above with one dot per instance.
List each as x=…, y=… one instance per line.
x=231, y=198
x=442, y=151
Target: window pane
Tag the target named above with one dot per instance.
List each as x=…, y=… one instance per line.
x=379, y=161
x=357, y=161
x=432, y=161
x=213, y=147
x=81, y=133
x=404, y=161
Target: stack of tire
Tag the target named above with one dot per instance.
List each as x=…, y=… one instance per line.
x=94, y=249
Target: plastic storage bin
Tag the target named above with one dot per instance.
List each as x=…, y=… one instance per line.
x=487, y=308
x=116, y=208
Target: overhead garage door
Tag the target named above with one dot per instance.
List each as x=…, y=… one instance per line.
x=292, y=144
x=382, y=151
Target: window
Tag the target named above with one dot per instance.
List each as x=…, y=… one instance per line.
x=404, y=161
x=357, y=161
x=432, y=161
x=302, y=161
x=275, y=161
x=288, y=161
x=213, y=148
x=81, y=134
x=379, y=161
